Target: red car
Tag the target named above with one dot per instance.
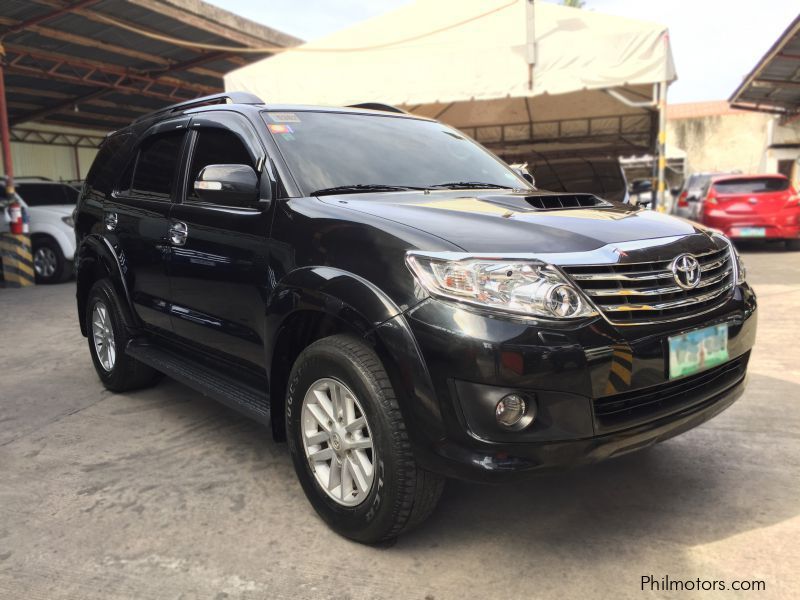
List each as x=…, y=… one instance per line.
x=753, y=206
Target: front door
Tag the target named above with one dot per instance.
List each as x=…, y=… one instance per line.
x=219, y=261
x=137, y=219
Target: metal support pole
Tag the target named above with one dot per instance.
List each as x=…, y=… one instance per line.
x=662, y=146
x=530, y=40
x=5, y=137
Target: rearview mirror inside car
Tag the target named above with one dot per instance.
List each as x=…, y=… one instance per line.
x=227, y=184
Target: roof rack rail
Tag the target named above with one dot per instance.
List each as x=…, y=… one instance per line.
x=378, y=106
x=221, y=98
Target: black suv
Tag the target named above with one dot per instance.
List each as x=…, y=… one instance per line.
x=396, y=302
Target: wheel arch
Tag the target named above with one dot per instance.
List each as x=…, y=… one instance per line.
x=315, y=302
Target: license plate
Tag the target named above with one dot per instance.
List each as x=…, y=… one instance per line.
x=750, y=232
x=698, y=350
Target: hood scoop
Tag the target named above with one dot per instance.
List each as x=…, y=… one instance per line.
x=549, y=201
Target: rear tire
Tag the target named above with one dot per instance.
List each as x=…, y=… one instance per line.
x=399, y=494
x=108, y=338
x=49, y=264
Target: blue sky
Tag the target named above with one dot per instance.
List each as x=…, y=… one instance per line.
x=715, y=42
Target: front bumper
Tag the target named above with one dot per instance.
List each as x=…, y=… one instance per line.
x=601, y=391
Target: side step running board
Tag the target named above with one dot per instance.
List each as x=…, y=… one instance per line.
x=215, y=384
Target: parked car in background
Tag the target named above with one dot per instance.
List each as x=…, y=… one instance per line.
x=602, y=176
x=640, y=192
x=690, y=195
x=49, y=205
x=753, y=206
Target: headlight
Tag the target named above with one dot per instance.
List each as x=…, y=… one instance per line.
x=527, y=287
x=69, y=221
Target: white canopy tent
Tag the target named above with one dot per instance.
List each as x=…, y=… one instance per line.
x=589, y=83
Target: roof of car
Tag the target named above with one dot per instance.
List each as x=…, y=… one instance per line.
x=145, y=121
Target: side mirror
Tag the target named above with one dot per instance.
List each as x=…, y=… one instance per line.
x=525, y=174
x=227, y=184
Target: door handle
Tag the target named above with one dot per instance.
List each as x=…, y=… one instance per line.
x=178, y=232
x=111, y=219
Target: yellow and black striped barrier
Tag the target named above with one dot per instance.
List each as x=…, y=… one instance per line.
x=17, y=260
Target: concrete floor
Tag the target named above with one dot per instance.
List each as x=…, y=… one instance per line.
x=164, y=494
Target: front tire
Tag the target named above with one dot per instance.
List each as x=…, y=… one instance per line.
x=349, y=443
x=108, y=338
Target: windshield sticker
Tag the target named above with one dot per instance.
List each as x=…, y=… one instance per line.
x=280, y=128
x=284, y=117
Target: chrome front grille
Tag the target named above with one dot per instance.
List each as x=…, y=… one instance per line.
x=635, y=293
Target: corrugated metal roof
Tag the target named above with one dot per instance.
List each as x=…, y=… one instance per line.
x=65, y=63
x=774, y=84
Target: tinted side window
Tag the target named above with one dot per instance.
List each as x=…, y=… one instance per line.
x=156, y=166
x=104, y=168
x=216, y=147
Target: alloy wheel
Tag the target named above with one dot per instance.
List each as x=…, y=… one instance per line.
x=103, y=336
x=45, y=261
x=337, y=442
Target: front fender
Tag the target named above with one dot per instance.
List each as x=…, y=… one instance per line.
x=97, y=258
x=340, y=294
x=367, y=311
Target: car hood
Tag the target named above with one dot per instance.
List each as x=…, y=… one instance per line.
x=500, y=221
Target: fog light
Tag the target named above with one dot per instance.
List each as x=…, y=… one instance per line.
x=510, y=410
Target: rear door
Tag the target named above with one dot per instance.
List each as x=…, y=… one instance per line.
x=137, y=218
x=219, y=274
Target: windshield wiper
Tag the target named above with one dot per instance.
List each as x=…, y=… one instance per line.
x=364, y=187
x=455, y=185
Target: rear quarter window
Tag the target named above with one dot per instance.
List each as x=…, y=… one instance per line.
x=105, y=168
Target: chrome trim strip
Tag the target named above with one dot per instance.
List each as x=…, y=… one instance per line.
x=715, y=264
x=632, y=276
x=657, y=291
x=669, y=304
x=608, y=255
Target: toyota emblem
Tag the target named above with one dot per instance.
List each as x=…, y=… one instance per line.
x=686, y=271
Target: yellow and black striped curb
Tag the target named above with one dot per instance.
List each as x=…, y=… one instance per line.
x=17, y=260
x=619, y=377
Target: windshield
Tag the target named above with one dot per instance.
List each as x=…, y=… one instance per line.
x=755, y=185
x=327, y=150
